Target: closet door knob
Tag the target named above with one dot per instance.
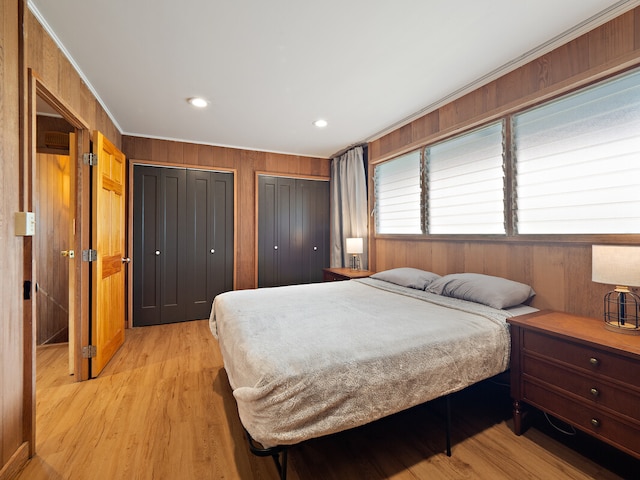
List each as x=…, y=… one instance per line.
x=126, y=260
x=157, y=252
x=213, y=250
x=275, y=247
x=315, y=248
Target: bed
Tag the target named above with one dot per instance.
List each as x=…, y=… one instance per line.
x=305, y=361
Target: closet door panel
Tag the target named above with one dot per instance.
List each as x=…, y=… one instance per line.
x=220, y=253
x=173, y=253
x=198, y=214
x=289, y=240
x=293, y=215
x=313, y=217
x=183, y=242
x=146, y=265
x=267, y=232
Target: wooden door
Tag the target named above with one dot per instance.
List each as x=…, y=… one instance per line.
x=108, y=239
x=73, y=156
x=51, y=247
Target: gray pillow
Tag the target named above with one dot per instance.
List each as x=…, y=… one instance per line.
x=407, y=277
x=496, y=292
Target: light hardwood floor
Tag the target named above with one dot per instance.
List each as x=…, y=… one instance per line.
x=163, y=409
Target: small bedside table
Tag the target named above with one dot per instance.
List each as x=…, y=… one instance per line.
x=574, y=369
x=338, y=274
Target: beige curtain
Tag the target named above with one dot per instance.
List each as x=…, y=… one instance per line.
x=348, y=206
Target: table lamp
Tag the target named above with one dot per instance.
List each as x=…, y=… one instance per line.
x=620, y=266
x=355, y=247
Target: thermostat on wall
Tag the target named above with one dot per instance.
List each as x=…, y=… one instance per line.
x=25, y=224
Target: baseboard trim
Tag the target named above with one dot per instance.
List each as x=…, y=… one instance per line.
x=16, y=463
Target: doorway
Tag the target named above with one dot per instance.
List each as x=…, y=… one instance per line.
x=53, y=217
x=68, y=135
x=54, y=158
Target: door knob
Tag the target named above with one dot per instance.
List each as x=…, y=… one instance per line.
x=276, y=247
x=64, y=253
x=315, y=248
x=157, y=252
x=213, y=250
x=126, y=260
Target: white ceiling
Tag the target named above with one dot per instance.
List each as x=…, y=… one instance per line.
x=270, y=68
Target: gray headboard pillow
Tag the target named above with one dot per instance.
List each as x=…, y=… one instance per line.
x=407, y=277
x=496, y=292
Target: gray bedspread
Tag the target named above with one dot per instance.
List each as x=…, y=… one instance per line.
x=309, y=360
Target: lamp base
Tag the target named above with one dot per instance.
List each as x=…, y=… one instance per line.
x=627, y=329
x=355, y=262
x=621, y=311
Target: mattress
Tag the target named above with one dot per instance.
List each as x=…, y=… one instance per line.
x=305, y=361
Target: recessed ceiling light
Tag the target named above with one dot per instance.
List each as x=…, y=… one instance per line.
x=198, y=102
x=320, y=123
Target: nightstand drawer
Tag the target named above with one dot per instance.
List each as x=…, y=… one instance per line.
x=621, y=434
x=597, y=392
x=597, y=362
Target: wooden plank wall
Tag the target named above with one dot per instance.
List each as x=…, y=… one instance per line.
x=12, y=449
x=41, y=54
x=246, y=163
x=52, y=218
x=559, y=269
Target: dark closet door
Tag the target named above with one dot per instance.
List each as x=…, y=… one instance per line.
x=293, y=219
x=277, y=254
x=312, y=210
x=159, y=246
x=209, y=239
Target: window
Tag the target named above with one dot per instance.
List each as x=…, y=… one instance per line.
x=575, y=169
x=398, y=195
x=578, y=162
x=466, y=183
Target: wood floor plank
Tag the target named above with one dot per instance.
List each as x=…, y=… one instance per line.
x=163, y=409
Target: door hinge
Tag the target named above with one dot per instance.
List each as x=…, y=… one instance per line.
x=89, y=255
x=89, y=351
x=90, y=159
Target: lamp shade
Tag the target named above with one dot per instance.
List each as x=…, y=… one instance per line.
x=355, y=245
x=616, y=265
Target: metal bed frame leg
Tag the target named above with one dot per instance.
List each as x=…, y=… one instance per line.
x=448, y=423
x=278, y=454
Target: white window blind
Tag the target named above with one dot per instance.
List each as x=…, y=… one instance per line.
x=398, y=194
x=578, y=162
x=466, y=183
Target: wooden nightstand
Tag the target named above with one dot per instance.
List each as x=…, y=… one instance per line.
x=575, y=370
x=337, y=274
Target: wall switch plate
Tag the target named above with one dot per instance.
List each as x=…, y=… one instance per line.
x=25, y=224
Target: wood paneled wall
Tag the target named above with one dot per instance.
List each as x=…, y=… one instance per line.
x=246, y=163
x=559, y=270
x=38, y=52
x=13, y=450
x=52, y=218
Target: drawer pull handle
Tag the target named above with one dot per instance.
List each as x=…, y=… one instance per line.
x=594, y=391
x=595, y=422
x=594, y=361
